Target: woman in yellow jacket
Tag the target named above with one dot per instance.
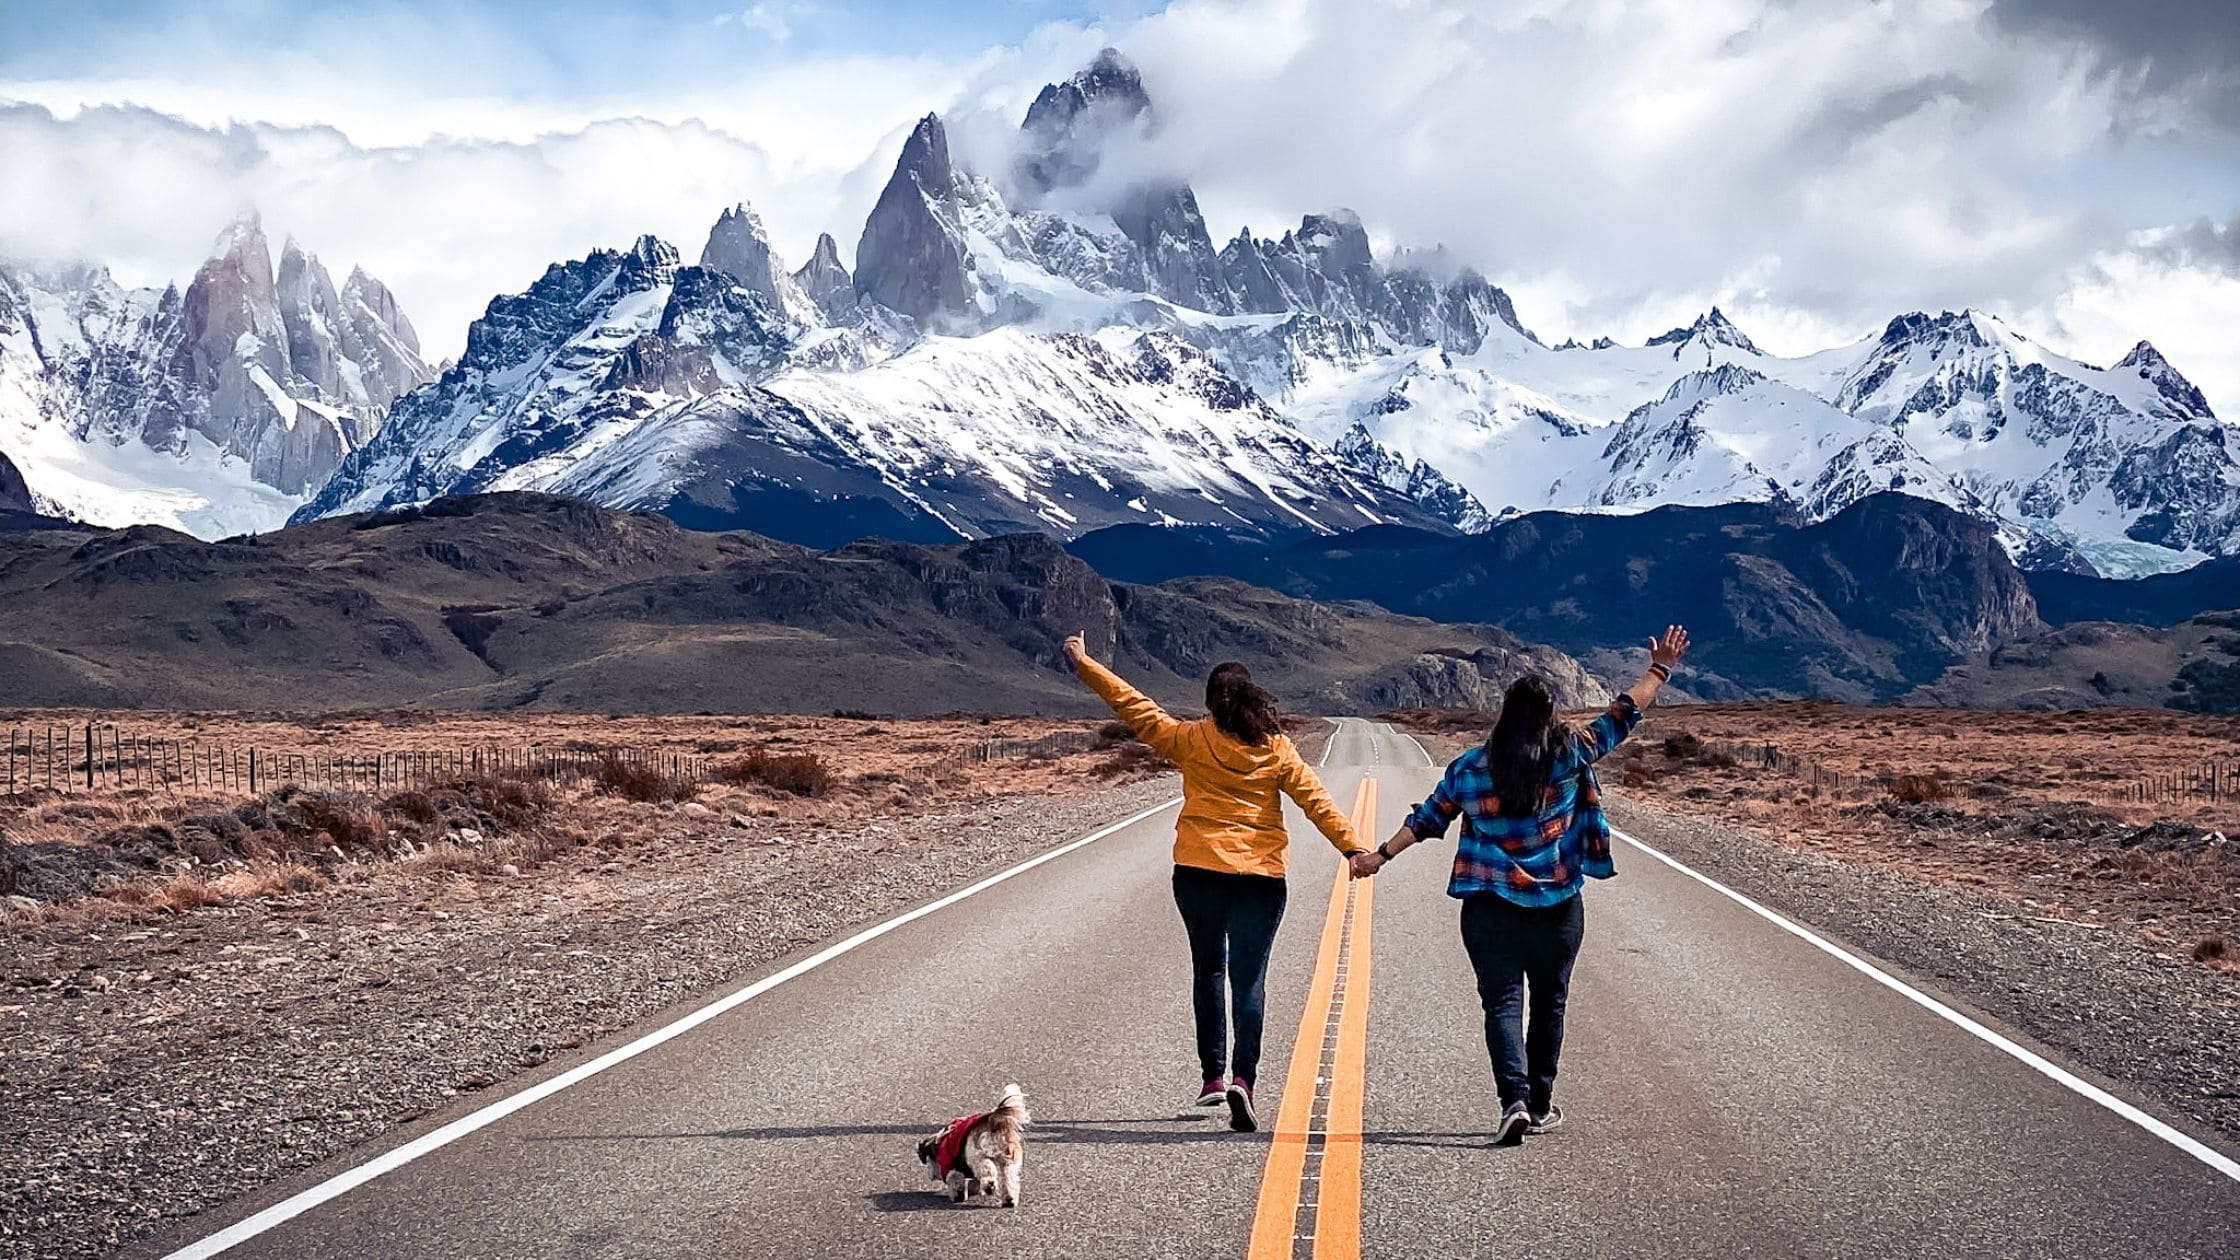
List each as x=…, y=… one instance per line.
x=1229, y=851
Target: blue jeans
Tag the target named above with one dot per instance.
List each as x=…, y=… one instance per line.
x=1232, y=920
x=1515, y=950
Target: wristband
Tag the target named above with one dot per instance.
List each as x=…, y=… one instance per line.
x=1663, y=672
x=1384, y=854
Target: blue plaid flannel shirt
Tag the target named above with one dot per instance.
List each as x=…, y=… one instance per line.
x=1541, y=858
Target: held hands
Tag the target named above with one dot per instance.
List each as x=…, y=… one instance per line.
x=1667, y=649
x=1363, y=865
x=1077, y=648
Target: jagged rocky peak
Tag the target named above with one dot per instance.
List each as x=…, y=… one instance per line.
x=1725, y=378
x=1064, y=130
x=825, y=280
x=1335, y=242
x=2157, y=371
x=650, y=261
x=311, y=312
x=912, y=258
x=1962, y=328
x=375, y=296
x=1712, y=328
x=232, y=305
x=739, y=248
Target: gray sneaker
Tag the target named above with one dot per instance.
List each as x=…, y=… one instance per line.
x=1514, y=1121
x=1547, y=1121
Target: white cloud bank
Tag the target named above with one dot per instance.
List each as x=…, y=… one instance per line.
x=1813, y=166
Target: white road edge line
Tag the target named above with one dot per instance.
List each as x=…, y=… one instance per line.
x=2029, y=1058
x=344, y=1182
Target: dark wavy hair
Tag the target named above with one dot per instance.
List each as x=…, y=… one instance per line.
x=1240, y=707
x=1523, y=746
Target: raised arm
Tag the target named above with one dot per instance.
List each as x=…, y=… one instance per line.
x=1304, y=786
x=1602, y=735
x=1143, y=715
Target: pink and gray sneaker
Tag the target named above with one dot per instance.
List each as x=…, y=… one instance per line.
x=1214, y=1094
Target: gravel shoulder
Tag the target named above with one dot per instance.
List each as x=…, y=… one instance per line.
x=153, y=1070
x=2156, y=1025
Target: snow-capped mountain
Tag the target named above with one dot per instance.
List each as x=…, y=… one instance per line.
x=2124, y=469
x=641, y=382
x=1057, y=342
x=216, y=409
x=983, y=369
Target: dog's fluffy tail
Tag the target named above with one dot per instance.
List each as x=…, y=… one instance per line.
x=1013, y=1103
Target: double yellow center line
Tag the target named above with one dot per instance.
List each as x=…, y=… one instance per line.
x=1310, y=1192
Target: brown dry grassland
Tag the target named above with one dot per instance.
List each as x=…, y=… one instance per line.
x=142, y=854
x=2000, y=801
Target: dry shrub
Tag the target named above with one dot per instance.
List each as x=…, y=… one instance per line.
x=2211, y=949
x=642, y=782
x=350, y=823
x=417, y=807
x=460, y=859
x=279, y=879
x=800, y=773
x=1918, y=789
x=1132, y=758
x=176, y=894
x=1682, y=746
x=514, y=804
x=1716, y=760
x=1114, y=733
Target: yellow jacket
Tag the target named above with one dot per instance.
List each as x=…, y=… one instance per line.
x=1232, y=815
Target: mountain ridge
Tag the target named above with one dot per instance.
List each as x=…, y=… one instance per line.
x=1057, y=342
x=516, y=600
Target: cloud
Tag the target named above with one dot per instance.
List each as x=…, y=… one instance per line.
x=2182, y=50
x=773, y=20
x=1812, y=166
x=446, y=223
x=2176, y=286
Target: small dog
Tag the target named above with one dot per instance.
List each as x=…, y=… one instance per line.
x=981, y=1154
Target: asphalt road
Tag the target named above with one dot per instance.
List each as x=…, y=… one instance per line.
x=1731, y=1090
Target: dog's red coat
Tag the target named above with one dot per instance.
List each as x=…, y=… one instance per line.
x=951, y=1149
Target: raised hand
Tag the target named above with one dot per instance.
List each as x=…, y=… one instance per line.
x=1077, y=648
x=1667, y=649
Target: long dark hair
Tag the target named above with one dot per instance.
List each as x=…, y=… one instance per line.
x=1242, y=710
x=1523, y=746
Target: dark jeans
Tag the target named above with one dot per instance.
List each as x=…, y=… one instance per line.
x=1513, y=948
x=1232, y=922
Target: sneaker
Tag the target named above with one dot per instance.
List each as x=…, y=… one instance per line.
x=1514, y=1121
x=1546, y=1121
x=1240, y=1107
x=1214, y=1094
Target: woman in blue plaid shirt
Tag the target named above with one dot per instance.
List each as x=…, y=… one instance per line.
x=1532, y=832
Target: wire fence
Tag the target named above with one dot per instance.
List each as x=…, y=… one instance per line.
x=103, y=757
x=2211, y=781
x=1055, y=744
